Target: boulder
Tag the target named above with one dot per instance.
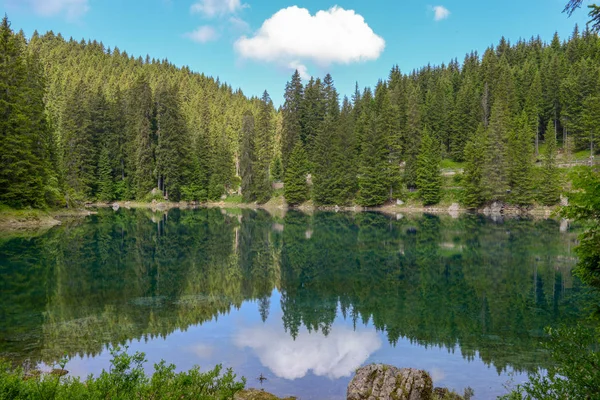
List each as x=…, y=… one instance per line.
x=385, y=382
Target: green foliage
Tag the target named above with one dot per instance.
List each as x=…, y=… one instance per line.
x=520, y=155
x=106, y=190
x=575, y=373
x=276, y=169
x=584, y=205
x=429, y=179
x=295, y=185
x=263, y=150
x=549, y=193
x=126, y=379
x=64, y=102
x=473, y=179
x=248, y=158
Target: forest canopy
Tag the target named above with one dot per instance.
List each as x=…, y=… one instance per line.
x=83, y=123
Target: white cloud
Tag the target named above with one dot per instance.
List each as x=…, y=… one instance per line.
x=302, y=70
x=239, y=24
x=202, y=34
x=293, y=35
x=440, y=13
x=212, y=8
x=334, y=356
x=73, y=9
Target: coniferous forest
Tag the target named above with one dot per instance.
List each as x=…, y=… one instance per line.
x=81, y=122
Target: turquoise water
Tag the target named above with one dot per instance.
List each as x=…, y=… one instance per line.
x=302, y=299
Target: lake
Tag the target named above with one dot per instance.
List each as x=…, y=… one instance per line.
x=302, y=299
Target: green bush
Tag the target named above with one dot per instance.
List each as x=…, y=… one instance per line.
x=125, y=379
x=576, y=372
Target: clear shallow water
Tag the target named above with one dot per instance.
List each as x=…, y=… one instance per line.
x=304, y=300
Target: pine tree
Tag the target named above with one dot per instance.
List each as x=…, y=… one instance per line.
x=263, y=150
x=495, y=169
x=295, y=185
x=313, y=114
x=21, y=181
x=412, y=136
x=106, y=189
x=373, y=161
x=173, y=148
x=549, y=178
x=292, y=114
x=474, y=195
x=78, y=145
x=346, y=160
x=326, y=148
x=277, y=169
x=520, y=171
x=248, y=158
x=429, y=178
x=141, y=133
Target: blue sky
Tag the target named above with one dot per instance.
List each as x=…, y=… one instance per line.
x=255, y=45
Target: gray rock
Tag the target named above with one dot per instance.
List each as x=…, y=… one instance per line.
x=385, y=382
x=399, y=202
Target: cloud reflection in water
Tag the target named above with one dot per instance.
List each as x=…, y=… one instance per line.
x=334, y=356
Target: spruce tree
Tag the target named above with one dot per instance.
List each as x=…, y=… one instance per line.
x=21, y=180
x=474, y=195
x=295, y=185
x=520, y=170
x=346, y=160
x=263, y=144
x=326, y=148
x=429, y=178
x=549, y=184
x=141, y=134
x=292, y=114
x=412, y=136
x=173, y=150
x=106, y=189
x=248, y=158
x=495, y=169
x=373, y=181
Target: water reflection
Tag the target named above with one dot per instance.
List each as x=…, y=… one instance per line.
x=334, y=356
x=329, y=291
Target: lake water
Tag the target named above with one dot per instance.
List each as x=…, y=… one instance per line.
x=302, y=299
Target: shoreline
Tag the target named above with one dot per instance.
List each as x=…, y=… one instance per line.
x=31, y=220
x=277, y=205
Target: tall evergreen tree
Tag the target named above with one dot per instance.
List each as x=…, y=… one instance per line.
x=173, y=148
x=429, y=178
x=412, y=136
x=495, y=168
x=263, y=149
x=21, y=180
x=520, y=153
x=549, y=184
x=248, y=158
x=326, y=148
x=142, y=135
x=295, y=185
x=292, y=114
x=373, y=181
x=473, y=179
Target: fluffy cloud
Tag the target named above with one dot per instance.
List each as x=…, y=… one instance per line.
x=73, y=9
x=212, y=8
x=203, y=34
x=301, y=68
x=440, y=13
x=334, y=356
x=293, y=35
